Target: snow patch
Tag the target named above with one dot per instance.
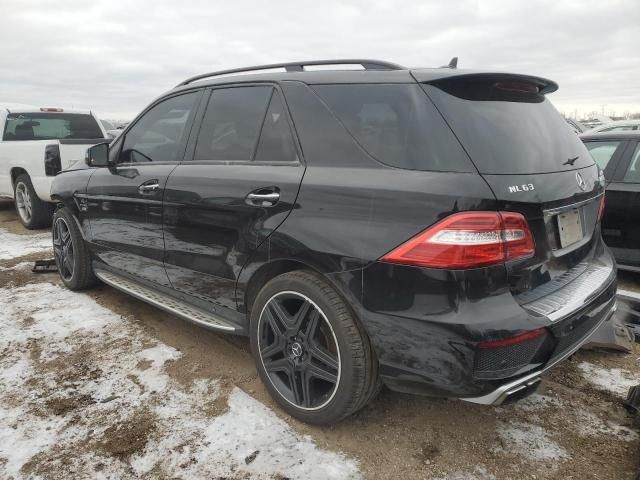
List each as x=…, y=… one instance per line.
x=615, y=380
x=530, y=441
x=71, y=370
x=13, y=246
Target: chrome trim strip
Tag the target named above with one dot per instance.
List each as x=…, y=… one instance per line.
x=147, y=295
x=499, y=395
x=557, y=210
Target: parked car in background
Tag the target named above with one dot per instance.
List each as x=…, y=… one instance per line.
x=111, y=130
x=618, y=154
x=616, y=126
x=36, y=144
x=434, y=230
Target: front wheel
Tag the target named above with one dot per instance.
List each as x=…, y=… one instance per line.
x=32, y=212
x=70, y=252
x=312, y=354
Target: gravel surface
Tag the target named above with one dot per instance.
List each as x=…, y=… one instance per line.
x=100, y=385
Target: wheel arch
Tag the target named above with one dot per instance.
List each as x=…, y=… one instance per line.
x=16, y=172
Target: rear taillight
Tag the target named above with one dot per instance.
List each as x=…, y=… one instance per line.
x=52, y=163
x=601, y=208
x=467, y=240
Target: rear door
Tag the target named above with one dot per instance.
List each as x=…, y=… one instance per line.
x=622, y=215
x=607, y=153
x=239, y=181
x=123, y=203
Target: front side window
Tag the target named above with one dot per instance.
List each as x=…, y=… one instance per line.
x=602, y=152
x=50, y=126
x=633, y=172
x=159, y=134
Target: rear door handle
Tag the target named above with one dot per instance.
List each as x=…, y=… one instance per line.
x=149, y=187
x=263, y=198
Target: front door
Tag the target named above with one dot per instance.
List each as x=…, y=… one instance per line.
x=124, y=203
x=239, y=183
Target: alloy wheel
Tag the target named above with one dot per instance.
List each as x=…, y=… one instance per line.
x=23, y=202
x=63, y=250
x=299, y=350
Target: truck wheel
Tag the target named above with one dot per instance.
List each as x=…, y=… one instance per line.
x=70, y=252
x=311, y=353
x=32, y=212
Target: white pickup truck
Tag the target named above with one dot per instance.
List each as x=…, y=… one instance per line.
x=36, y=143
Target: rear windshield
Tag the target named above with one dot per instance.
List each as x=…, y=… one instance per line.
x=397, y=125
x=509, y=133
x=48, y=126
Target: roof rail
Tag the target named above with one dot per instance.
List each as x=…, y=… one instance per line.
x=299, y=67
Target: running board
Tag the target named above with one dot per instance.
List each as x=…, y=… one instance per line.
x=165, y=302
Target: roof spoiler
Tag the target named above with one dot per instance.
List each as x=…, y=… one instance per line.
x=451, y=76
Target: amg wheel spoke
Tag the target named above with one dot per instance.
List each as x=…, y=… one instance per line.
x=281, y=365
x=322, y=373
x=324, y=357
x=312, y=325
x=272, y=350
x=300, y=315
x=298, y=388
x=68, y=263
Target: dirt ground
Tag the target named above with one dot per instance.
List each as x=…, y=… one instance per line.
x=574, y=428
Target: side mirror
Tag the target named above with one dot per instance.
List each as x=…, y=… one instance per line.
x=98, y=155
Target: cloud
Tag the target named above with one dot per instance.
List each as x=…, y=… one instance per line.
x=116, y=56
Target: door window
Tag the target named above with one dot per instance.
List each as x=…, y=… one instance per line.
x=276, y=142
x=160, y=133
x=231, y=124
x=602, y=152
x=633, y=172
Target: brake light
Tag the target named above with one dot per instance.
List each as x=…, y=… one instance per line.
x=505, y=342
x=601, y=208
x=516, y=86
x=467, y=240
x=56, y=110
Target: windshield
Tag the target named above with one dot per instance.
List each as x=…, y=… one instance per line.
x=48, y=126
x=509, y=133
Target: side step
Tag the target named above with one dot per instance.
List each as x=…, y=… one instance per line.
x=165, y=302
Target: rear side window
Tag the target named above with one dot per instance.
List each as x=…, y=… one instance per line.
x=276, y=141
x=232, y=122
x=397, y=125
x=49, y=126
x=602, y=152
x=506, y=131
x=633, y=172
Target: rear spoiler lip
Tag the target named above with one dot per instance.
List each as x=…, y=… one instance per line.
x=435, y=75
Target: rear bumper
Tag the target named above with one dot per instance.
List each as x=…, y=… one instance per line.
x=529, y=382
x=426, y=325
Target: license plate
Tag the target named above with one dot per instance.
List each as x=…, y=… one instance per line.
x=570, y=228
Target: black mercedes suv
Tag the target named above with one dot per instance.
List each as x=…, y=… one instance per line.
x=433, y=230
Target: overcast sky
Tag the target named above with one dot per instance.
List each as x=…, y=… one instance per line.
x=115, y=56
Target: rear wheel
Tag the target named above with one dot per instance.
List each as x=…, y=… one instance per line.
x=70, y=252
x=311, y=353
x=33, y=212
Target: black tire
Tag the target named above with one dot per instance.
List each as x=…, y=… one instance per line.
x=357, y=371
x=72, y=258
x=32, y=212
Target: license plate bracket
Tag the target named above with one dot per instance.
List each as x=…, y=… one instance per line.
x=570, y=227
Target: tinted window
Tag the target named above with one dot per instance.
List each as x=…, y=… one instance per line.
x=276, y=142
x=159, y=134
x=602, y=152
x=508, y=132
x=633, y=172
x=47, y=126
x=397, y=125
x=231, y=124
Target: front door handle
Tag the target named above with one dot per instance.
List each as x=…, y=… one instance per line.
x=149, y=187
x=263, y=197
